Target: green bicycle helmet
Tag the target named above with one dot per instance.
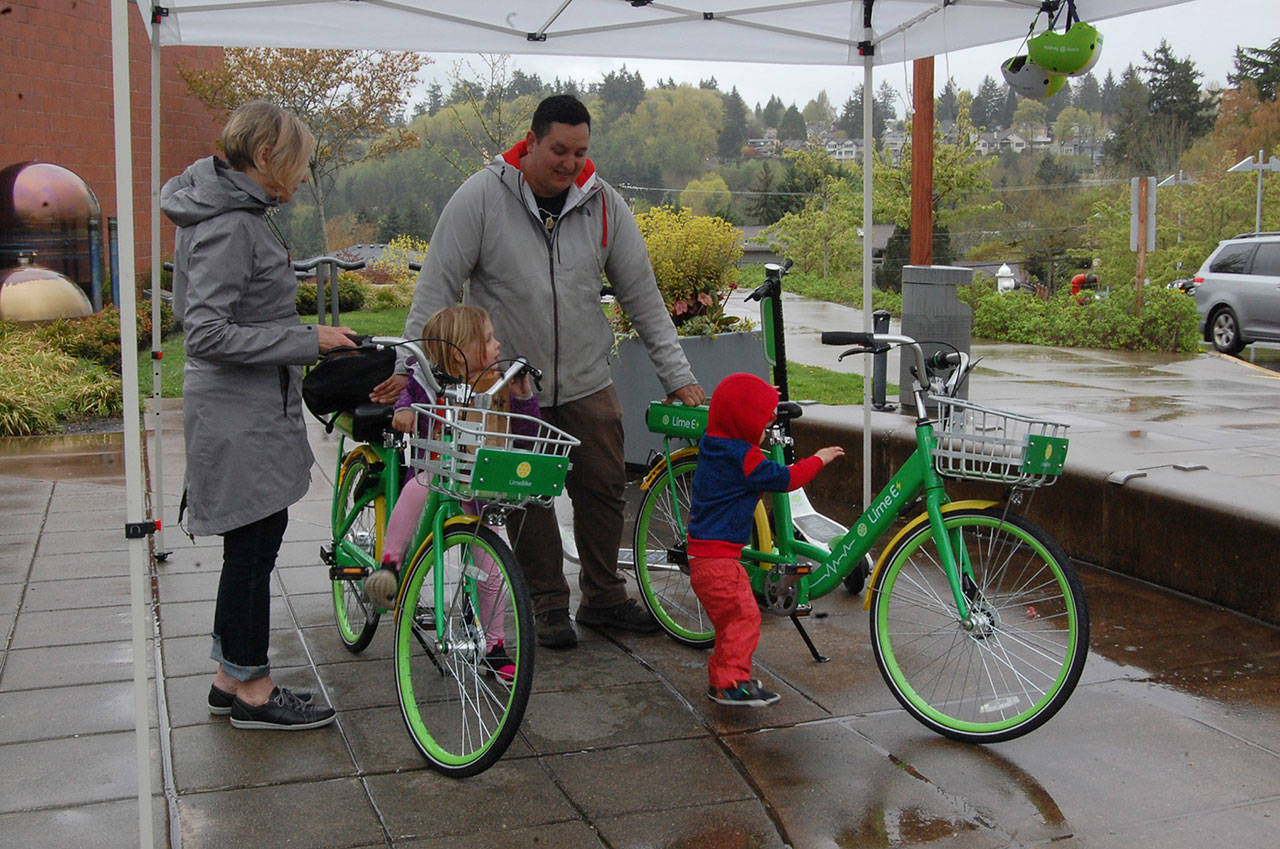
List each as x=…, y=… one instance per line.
x=1073, y=52
x=1029, y=79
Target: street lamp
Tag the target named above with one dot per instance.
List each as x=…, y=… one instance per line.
x=1178, y=179
x=1249, y=165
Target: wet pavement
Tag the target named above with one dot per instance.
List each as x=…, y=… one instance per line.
x=1172, y=738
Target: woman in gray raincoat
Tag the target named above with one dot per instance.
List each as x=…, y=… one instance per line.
x=247, y=453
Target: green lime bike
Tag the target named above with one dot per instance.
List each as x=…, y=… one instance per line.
x=461, y=594
x=979, y=623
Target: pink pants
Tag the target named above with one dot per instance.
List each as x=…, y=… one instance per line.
x=400, y=531
x=721, y=585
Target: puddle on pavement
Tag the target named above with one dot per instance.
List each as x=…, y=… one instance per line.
x=88, y=457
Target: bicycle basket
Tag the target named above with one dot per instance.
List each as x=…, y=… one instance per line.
x=978, y=443
x=492, y=455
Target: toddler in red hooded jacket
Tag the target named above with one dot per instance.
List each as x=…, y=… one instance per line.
x=731, y=474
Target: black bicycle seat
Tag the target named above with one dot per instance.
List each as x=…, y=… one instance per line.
x=788, y=411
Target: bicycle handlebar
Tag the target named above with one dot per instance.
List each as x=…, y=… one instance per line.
x=872, y=343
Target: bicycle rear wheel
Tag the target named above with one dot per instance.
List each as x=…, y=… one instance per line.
x=461, y=702
x=1018, y=659
x=662, y=564
x=359, y=520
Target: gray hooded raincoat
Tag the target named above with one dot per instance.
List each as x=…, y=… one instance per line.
x=246, y=440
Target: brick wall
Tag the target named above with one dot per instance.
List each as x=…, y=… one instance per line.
x=56, y=102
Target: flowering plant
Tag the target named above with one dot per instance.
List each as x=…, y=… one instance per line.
x=695, y=261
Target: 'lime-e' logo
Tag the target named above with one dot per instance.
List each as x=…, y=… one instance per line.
x=523, y=470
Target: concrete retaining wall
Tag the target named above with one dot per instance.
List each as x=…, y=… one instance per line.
x=1169, y=529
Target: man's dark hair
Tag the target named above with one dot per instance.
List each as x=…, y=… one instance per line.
x=559, y=109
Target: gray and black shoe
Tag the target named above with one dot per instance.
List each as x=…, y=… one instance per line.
x=220, y=700
x=283, y=712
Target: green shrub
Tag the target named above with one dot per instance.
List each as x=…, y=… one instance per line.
x=1096, y=320
x=695, y=261
x=41, y=387
x=351, y=295
x=96, y=337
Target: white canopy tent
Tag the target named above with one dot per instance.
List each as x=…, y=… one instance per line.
x=798, y=32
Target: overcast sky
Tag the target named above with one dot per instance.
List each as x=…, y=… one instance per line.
x=1207, y=31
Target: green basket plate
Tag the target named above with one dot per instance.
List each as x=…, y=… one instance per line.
x=1046, y=455
x=518, y=473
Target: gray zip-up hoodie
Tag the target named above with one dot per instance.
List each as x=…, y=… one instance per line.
x=540, y=285
x=246, y=439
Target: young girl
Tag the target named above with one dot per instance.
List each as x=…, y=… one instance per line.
x=458, y=340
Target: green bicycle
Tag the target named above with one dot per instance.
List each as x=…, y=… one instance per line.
x=461, y=591
x=979, y=624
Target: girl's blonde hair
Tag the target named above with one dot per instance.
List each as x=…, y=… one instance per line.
x=450, y=336
x=260, y=124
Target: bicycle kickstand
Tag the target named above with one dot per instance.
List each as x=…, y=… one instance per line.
x=804, y=635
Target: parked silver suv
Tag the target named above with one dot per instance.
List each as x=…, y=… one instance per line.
x=1237, y=292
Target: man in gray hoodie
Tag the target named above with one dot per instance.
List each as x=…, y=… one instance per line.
x=529, y=237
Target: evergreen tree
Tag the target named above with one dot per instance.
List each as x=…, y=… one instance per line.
x=620, y=93
x=987, y=104
x=850, y=120
x=1008, y=107
x=1086, y=94
x=791, y=126
x=1261, y=66
x=1060, y=100
x=945, y=107
x=733, y=132
x=710, y=84
x=773, y=111
x=1111, y=94
x=1175, y=91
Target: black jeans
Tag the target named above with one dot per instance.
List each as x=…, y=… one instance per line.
x=242, y=617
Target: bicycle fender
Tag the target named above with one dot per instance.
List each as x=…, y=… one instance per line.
x=764, y=534
x=363, y=451
x=449, y=524
x=950, y=507
x=660, y=465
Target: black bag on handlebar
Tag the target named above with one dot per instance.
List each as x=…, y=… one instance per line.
x=344, y=379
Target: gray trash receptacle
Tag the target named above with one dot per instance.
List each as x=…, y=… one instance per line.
x=933, y=315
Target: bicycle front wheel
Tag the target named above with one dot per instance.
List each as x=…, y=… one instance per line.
x=359, y=519
x=661, y=557
x=464, y=659
x=1015, y=661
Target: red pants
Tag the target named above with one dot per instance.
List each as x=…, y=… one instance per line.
x=721, y=585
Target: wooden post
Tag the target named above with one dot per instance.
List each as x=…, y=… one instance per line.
x=921, y=163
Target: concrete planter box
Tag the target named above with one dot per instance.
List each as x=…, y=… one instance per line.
x=712, y=358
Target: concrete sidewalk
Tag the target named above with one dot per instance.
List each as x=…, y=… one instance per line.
x=1172, y=739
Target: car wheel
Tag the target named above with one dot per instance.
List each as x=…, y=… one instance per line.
x=1225, y=331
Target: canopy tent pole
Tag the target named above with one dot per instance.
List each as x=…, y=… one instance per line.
x=868, y=74
x=157, y=331
x=139, y=586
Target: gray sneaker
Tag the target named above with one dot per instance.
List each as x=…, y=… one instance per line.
x=283, y=712
x=625, y=616
x=554, y=630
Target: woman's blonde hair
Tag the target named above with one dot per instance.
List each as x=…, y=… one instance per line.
x=258, y=124
x=451, y=334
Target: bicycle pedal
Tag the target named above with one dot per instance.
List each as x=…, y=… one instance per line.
x=346, y=573
x=803, y=609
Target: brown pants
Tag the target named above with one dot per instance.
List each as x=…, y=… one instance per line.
x=595, y=485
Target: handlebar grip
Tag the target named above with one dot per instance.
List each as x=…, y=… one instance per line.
x=848, y=337
x=944, y=359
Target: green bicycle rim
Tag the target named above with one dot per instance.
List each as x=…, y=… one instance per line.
x=894, y=670
x=664, y=487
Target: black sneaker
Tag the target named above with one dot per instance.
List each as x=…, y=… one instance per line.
x=220, y=700
x=743, y=694
x=283, y=711
x=626, y=616
x=554, y=630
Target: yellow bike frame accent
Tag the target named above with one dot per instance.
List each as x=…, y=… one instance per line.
x=380, y=509
x=660, y=465
x=949, y=507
